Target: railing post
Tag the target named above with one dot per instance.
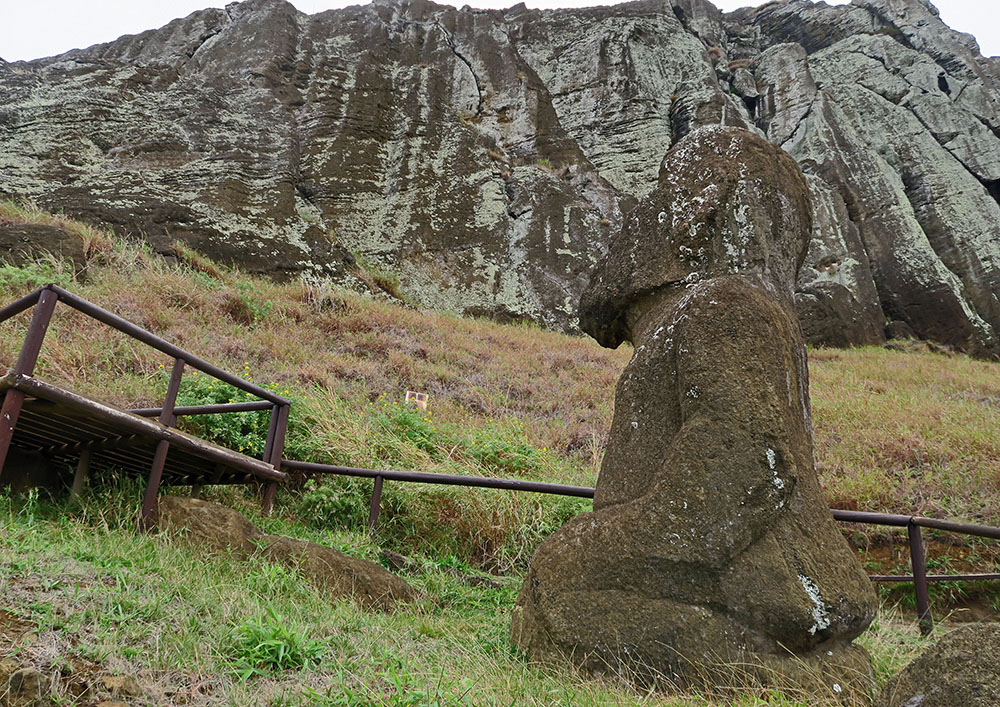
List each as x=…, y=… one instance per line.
x=919, y=565
x=376, y=504
x=25, y=365
x=168, y=418
x=272, y=428
x=275, y=448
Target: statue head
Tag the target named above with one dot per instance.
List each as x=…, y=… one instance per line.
x=727, y=202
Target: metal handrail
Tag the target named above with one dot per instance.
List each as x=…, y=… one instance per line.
x=983, y=531
x=214, y=409
x=151, y=339
x=420, y=477
x=136, y=332
x=920, y=578
x=45, y=299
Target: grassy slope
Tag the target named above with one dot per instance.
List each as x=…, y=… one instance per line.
x=99, y=599
x=908, y=432
x=905, y=432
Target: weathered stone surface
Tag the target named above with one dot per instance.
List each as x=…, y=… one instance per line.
x=627, y=81
x=939, y=279
x=20, y=243
x=7, y=668
x=208, y=525
x=486, y=157
x=960, y=669
x=216, y=528
x=836, y=297
x=27, y=687
x=121, y=685
x=710, y=544
x=340, y=574
x=902, y=140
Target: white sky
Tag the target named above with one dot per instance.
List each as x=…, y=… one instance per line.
x=30, y=29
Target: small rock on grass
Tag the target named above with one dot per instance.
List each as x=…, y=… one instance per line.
x=121, y=685
x=216, y=528
x=339, y=574
x=27, y=687
x=208, y=525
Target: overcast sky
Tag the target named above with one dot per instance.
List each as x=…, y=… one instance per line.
x=30, y=29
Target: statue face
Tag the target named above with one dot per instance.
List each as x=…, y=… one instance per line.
x=727, y=203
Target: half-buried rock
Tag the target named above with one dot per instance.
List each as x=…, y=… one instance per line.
x=711, y=557
x=960, y=670
x=216, y=528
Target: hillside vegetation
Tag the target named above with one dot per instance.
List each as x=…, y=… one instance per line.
x=909, y=431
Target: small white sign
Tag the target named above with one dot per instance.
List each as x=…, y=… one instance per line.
x=418, y=399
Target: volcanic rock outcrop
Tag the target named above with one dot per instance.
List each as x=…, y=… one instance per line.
x=486, y=157
x=710, y=545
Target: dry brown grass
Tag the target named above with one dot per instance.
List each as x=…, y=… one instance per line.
x=908, y=432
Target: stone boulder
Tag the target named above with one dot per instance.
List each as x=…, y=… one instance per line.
x=208, y=525
x=960, y=669
x=215, y=528
x=339, y=574
x=26, y=687
x=24, y=242
x=711, y=555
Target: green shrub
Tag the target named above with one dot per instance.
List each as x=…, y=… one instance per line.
x=241, y=431
x=259, y=309
x=504, y=451
x=336, y=503
x=411, y=425
x=268, y=646
x=244, y=432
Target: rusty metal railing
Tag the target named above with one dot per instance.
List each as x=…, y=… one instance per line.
x=44, y=301
x=918, y=561
x=418, y=477
x=913, y=524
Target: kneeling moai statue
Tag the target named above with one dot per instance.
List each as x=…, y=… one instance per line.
x=711, y=553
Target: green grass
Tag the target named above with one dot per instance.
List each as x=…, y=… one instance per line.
x=272, y=645
x=244, y=631
x=904, y=432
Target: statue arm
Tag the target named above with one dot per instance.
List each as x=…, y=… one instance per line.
x=733, y=464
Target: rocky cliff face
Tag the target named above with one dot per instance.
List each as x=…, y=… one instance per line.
x=486, y=157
